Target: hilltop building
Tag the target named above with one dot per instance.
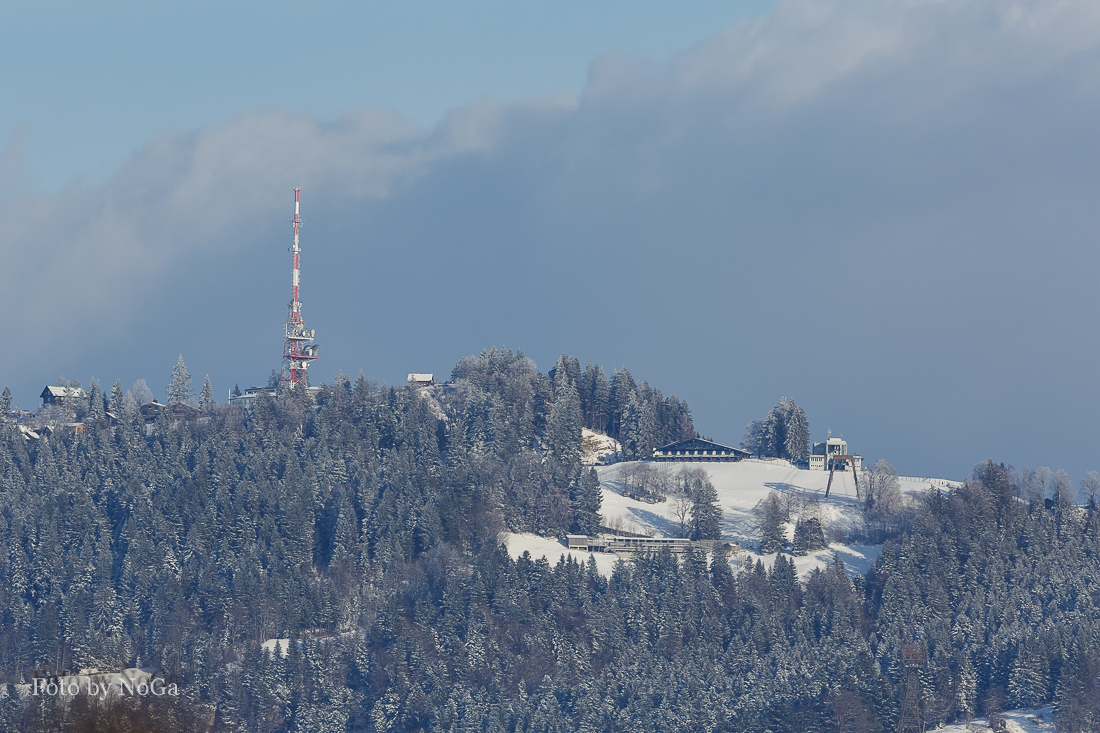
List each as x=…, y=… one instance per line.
x=57, y=395
x=699, y=450
x=833, y=455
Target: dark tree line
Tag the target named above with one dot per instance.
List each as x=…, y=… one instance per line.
x=637, y=415
x=365, y=530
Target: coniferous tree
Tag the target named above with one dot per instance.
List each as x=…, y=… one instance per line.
x=95, y=402
x=118, y=399
x=796, y=438
x=179, y=389
x=771, y=514
x=706, y=514
x=585, y=500
x=207, y=403
x=5, y=401
x=808, y=536
x=601, y=401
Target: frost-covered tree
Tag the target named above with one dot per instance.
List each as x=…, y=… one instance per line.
x=1090, y=489
x=207, y=403
x=141, y=393
x=179, y=389
x=95, y=402
x=809, y=536
x=5, y=401
x=772, y=534
x=118, y=399
x=796, y=438
x=563, y=428
x=783, y=433
x=585, y=501
x=706, y=514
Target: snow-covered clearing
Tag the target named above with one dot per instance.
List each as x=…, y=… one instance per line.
x=740, y=486
x=1040, y=720
x=552, y=550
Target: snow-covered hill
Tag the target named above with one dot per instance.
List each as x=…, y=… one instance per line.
x=740, y=486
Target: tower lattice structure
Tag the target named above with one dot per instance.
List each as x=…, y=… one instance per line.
x=913, y=659
x=298, y=346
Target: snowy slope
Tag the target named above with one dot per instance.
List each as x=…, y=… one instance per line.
x=740, y=487
x=595, y=447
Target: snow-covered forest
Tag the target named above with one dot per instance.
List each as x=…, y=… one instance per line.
x=365, y=530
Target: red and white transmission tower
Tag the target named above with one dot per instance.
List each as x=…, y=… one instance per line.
x=298, y=346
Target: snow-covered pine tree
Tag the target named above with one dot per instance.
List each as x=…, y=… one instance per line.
x=585, y=500
x=706, y=514
x=5, y=401
x=95, y=402
x=118, y=399
x=207, y=403
x=563, y=428
x=770, y=511
x=796, y=440
x=179, y=389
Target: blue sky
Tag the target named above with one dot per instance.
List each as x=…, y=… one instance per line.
x=886, y=210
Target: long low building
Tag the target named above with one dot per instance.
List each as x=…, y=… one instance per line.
x=621, y=545
x=699, y=450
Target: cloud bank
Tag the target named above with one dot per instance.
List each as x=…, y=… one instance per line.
x=885, y=209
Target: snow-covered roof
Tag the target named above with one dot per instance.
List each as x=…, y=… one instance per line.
x=54, y=390
x=421, y=377
x=694, y=444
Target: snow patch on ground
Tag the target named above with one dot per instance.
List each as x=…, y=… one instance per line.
x=553, y=550
x=597, y=447
x=281, y=646
x=857, y=559
x=1040, y=720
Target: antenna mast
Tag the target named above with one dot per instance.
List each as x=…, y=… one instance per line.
x=298, y=346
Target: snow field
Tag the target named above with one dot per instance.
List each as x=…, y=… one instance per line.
x=740, y=486
x=1040, y=720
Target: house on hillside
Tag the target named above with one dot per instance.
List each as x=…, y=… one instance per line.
x=248, y=399
x=697, y=449
x=421, y=380
x=833, y=455
x=57, y=395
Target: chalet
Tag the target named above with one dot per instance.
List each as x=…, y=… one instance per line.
x=697, y=449
x=57, y=395
x=421, y=380
x=832, y=455
x=151, y=410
